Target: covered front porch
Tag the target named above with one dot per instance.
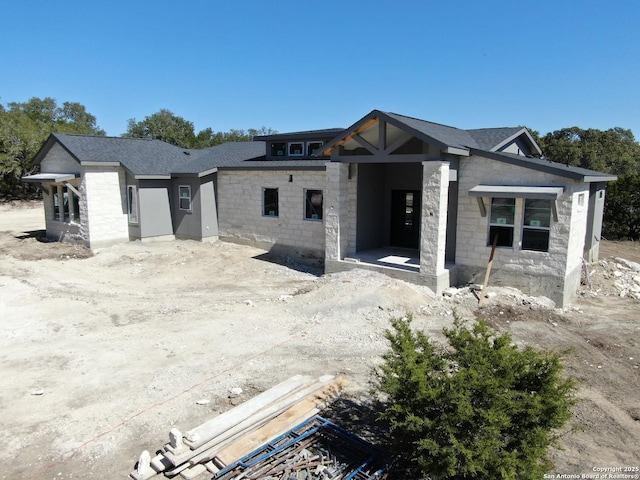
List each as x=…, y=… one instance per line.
x=391, y=193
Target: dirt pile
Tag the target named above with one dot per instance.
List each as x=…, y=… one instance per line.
x=616, y=276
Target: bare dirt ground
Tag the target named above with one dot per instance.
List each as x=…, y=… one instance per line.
x=102, y=354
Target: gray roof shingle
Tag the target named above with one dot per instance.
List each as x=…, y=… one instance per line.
x=450, y=136
x=488, y=138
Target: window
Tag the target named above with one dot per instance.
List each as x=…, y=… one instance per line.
x=296, y=148
x=55, y=200
x=278, y=149
x=65, y=204
x=535, y=230
x=184, y=197
x=313, y=205
x=132, y=203
x=76, y=206
x=313, y=147
x=270, y=202
x=501, y=221
x=70, y=202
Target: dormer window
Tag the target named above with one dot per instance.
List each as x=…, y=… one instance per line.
x=313, y=147
x=278, y=149
x=296, y=148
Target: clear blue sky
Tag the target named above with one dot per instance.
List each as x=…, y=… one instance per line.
x=297, y=65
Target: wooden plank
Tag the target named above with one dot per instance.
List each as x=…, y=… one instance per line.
x=294, y=415
x=486, y=275
x=202, y=434
x=259, y=419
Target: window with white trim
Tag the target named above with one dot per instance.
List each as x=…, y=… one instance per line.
x=313, y=202
x=296, y=149
x=132, y=203
x=536, y=225
x=55, y=201
x=184, y=197
x=270, y=202
x=502, y=221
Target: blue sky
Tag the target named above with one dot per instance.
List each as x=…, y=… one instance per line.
x=298, y=65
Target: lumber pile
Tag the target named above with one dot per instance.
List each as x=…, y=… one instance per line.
x=228, y=437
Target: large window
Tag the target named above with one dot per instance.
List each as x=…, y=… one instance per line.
x=535, y=229
x=270, y=202
x=502, y=221
x=184, y=197
x=132, y=203
x=313, y=204
x=65, y=203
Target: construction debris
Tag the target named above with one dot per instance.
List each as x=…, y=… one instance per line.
x=210, y=447
x=315, y=449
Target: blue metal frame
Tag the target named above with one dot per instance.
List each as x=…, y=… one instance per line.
x=271, y=447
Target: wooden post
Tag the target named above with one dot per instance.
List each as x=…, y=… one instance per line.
x=486, y=275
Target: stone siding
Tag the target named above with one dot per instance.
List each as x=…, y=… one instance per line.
x=106, y=213
x=433, y=229
x=240, y=210
x=555, y=273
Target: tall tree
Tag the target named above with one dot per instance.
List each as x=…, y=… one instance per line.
x=166, y=126
x=23, y=129
x=611, y=151
x=163, y=125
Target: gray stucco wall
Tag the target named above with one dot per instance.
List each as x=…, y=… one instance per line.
x=58, y=160
x=208, y=207
x=187, y=224
x=371, y=209
x=398, y=176
x=518, y=147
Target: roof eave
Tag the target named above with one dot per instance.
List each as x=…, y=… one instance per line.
x=549, y=167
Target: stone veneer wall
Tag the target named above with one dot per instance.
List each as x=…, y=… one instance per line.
x=240, y=210
x=104, y=190
x=58, y=160
x=556, y=273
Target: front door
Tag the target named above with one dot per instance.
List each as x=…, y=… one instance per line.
x=405, y=218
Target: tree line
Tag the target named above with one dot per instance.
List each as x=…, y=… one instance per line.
x=25, y=126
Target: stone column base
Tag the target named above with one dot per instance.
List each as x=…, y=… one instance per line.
x=438, y=283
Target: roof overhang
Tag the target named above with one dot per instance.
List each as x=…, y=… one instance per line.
x=517, y=191
x=152, y=177
x=50, y=177
x=87, y=163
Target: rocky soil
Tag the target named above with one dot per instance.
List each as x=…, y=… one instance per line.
x=102, y=353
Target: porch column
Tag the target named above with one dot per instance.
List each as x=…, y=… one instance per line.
x=433, y=230
x=336, y=212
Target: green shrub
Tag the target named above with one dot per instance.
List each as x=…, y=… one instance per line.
x=480, y=409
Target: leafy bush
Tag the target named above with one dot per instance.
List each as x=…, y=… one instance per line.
x=481, y=409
